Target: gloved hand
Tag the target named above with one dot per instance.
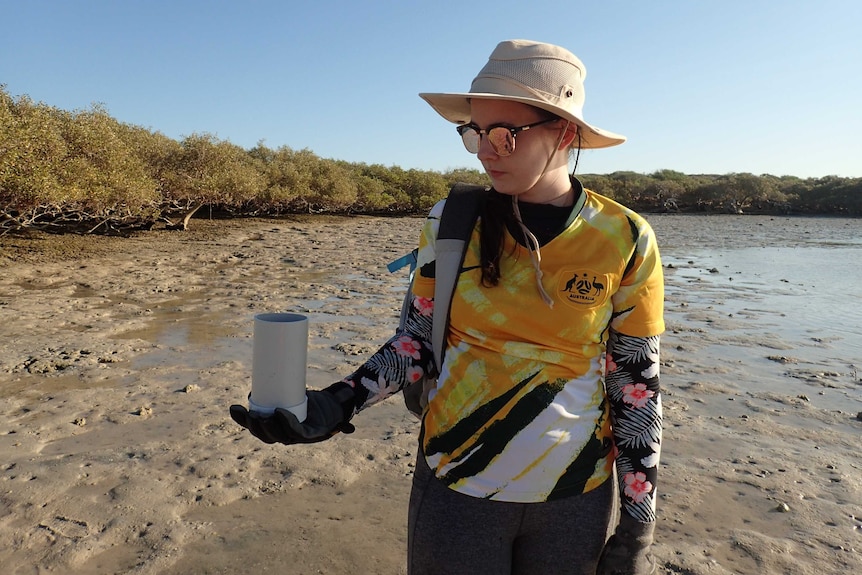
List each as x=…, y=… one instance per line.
x=627, y=551
x=329, y=412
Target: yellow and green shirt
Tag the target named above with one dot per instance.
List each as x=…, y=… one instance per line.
x=521, y=411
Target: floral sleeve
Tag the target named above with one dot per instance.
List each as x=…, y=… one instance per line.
x=402, y=360
x=632, y=383
x=408, y=355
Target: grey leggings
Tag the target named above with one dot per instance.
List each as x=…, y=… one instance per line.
x=454, y=534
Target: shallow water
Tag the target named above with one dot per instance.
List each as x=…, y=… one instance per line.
x=717, y=232
x=785, y=292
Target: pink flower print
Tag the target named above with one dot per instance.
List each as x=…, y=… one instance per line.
x=406, y=345
x=637, y=394
x=414, y=373
x=637, y=486
x=423, y=305
x=610, y=364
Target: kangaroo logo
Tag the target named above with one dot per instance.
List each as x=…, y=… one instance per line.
x=585, y=288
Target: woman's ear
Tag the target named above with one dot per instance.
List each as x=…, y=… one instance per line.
x=570, y=135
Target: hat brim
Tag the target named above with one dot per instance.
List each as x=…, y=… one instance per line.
x=455, y=107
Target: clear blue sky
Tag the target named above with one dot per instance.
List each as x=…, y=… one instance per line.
x=698, y=86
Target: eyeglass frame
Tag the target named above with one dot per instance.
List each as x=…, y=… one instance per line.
x=463, y=128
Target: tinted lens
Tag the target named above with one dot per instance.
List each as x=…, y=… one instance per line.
x=470, y=137
x=502, y=140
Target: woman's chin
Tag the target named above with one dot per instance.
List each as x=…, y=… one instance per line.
x=502, y=185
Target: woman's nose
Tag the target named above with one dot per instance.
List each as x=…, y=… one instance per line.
x=486, y=150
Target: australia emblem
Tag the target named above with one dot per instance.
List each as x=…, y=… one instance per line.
x=584, y=288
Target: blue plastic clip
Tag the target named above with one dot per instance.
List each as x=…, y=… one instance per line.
x=405, y=260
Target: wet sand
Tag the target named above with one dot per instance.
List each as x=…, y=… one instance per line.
x=120, y=356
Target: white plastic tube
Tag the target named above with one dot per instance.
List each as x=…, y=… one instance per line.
x=279, y=363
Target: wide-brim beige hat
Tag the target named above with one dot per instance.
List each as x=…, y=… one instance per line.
x=541, y=75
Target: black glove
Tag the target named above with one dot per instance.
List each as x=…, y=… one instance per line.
x=627, y=551
x=329, y=412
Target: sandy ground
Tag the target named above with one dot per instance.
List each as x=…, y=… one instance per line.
x=120, y=356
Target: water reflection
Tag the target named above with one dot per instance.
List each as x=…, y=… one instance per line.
x=790, y=315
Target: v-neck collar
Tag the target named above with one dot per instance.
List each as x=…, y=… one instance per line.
x=546, y=221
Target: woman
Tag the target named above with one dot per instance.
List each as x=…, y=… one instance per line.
x=550, y=377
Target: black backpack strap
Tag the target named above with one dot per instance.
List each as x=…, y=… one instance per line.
x=461, y=211
x=456, y=225
x=459, y=216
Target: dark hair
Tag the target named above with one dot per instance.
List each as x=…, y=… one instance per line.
x=496, y=214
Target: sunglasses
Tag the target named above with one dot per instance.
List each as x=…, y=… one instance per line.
x=501, y=138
